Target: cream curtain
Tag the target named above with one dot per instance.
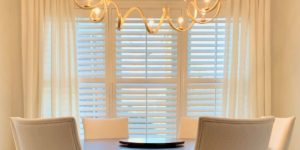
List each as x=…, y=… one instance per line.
x=49, y=58
x=247, y=74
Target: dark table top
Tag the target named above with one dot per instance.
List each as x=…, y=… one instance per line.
x=115, y=145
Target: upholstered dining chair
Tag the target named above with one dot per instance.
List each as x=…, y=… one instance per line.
x=233, y=134
x=188, y=128
x=45, y=134
x=281, y=133
x=116, y=128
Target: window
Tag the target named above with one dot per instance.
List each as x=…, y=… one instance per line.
x=91, y=68
x=205, y=69
x=146, y=71
x=151, y=79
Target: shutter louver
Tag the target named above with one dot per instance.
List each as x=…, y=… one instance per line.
x=206, y=69
x=146, y=73
x=91, y=69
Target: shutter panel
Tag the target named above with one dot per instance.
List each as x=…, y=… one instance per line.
x=151, y=108
x=90, y=46
x=91, y=68
x=146, y=56
x=206, y=69
x=146, y=89
x=204, y=99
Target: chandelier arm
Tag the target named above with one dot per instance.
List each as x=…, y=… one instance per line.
x=119, y=15
x=161, y=21
x=208, y=9
x=142, y=15
x=102, y=15
x=181, y=29
x=189, y=13
x=116, y=7
x=207, y=21
x=100, y=2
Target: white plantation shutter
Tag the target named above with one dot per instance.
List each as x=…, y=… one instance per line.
x=206, y=69
x=91, y=68
x=153, y=79
x=146, y=71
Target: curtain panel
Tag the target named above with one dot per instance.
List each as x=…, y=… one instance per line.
x=49, y=58
x=248, y=59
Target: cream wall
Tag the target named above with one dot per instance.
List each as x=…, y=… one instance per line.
x=10, y=70
x=285, y=65
x=286, y=62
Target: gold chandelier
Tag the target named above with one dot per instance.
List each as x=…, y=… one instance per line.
x=193, y=11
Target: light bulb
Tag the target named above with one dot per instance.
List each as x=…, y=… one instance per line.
x=206, y=1
x=180, y=20
x=96, y=11
x=203, y=12
x=97, y=14
x=151, y=23
x=88, y=4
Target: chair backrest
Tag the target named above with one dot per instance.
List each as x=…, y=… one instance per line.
x=105, y=128
x=45, y=134
x=233, y=134
x=188, y=128
x=281, y=133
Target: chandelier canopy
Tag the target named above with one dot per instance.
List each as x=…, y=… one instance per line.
x=194, y=12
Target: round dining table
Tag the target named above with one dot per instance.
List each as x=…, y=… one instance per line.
x=115, y=145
